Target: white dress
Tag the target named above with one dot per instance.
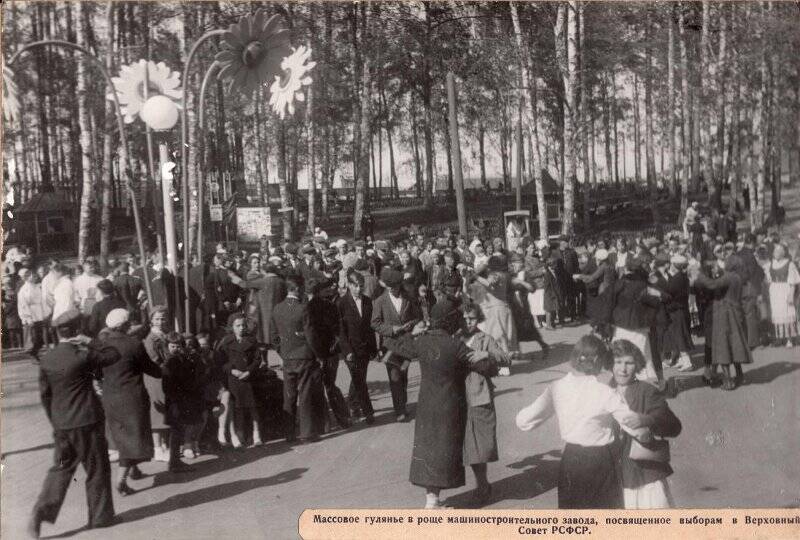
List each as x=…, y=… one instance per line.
x=782, y=282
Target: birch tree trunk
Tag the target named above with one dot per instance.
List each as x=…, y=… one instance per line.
x=283, y=182
x=686, y=133
x=671, y=143
x=105, y=177
x=648, y=126
x=362, y=182
x=312, y=166
x=637, y=146
x=81, y=12
x=566, y=54
x=530, y=122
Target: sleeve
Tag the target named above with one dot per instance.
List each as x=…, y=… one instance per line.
x=46, y=394
x=659, y=417
x=537, y=412
x=594, y=276
x=147, y=365
x=616, y=406
x=344, y=337
x=378, y=322
x=273, y=331
x=705, y=282
x=254, y=359
x=102, y=355
x=311, y=337
x=486, y=367
x=22, y=308
x=794, y=276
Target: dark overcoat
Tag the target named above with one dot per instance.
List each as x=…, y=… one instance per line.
x=125, y=398
x=156, y=347
x=677, y=337
x=437, y=458
x=242, y=355
x=269, y=291
x=728, y=334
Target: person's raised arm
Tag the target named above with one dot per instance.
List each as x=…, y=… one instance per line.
x=537, y=412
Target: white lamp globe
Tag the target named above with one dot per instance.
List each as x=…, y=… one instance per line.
x=160, y=113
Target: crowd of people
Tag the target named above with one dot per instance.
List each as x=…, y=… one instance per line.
x=158, y=389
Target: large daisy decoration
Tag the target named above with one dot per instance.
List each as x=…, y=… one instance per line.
x=288, y=87
x=163, y=90
x=11, y=105
x=252, y=51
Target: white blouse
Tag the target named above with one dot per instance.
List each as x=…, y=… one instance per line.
x=585, y=409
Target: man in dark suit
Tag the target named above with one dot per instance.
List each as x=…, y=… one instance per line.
x=393, y=317
x=220, y=292
x=128, y=287
x=109, y=302
x=571, y=268
x=324, y=319
x=357, y=341
x=753, y=277
x=76, y=414
x=303, y=393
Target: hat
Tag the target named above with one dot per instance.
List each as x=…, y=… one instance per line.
x=434, y=252
x=275, y=260
x=383, y=245
x=291, y=248
x=309, y=250
x=730, y=245
x=497, y=263
x=316, y=284
x=679, y=261
x=68, y=317
x=116, y=318
x=601, y=254
x=341, y=242
x=319, y=238
x=391, y=277
x=254, y=256
x=105, y=287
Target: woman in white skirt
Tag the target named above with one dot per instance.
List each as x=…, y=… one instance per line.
x=783, y=279
x=644, y=481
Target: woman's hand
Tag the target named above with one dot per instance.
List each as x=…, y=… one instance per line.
x=236, y=373
x=633, y=421
x=243, y=375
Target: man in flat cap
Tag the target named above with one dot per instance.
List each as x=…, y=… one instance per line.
x=66, y=376
x=393, y=317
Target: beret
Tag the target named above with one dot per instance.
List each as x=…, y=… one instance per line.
x=117, y=317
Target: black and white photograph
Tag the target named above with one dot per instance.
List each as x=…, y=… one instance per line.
x=264, y=257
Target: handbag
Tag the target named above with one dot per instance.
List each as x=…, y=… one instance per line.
x=656, y=450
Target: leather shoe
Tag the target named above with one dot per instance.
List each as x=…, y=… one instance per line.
x=370, y=419
x=402, y=418
x=34, y=526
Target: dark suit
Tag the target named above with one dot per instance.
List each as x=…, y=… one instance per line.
x=324, y=319
x=75, y=412
x=97, y=318
x=357, y=341
x=384, y=318
x=571, y=291
x=128, y=287
x=303, y=393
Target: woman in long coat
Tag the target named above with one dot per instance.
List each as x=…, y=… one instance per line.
x=125, y=399
x=437, y=459
x=156, y=346
x=728, y=335
x=269, y=290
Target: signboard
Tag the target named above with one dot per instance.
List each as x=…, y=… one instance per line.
x=216, y=212
x=252, y=223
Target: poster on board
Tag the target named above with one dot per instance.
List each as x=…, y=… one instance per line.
x=252, y=223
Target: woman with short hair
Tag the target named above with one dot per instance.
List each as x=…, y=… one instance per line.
x=644, y=481
x=585, y=408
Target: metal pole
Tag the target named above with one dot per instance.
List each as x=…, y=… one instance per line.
x=185, y=167
x=201, y=147
x=152, y=167
x=520, y=157
x=123, y=158
x=456, y=150
x=171, y=262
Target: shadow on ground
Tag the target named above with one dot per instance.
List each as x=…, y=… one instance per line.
x=200, y=496
x=539, y=474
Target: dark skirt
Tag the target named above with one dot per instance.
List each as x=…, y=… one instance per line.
x=677, y=338
x=589, y=477
x=128, y=418
x=480, y=438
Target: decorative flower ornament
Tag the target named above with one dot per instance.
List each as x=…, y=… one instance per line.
x=130, y=87
x=10, y=96
x=252, y=50
x=288, y=87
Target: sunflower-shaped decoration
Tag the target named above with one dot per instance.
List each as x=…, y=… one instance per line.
x=130, y=86
x=288, y=87
x=10, y=96
x=252, y=51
